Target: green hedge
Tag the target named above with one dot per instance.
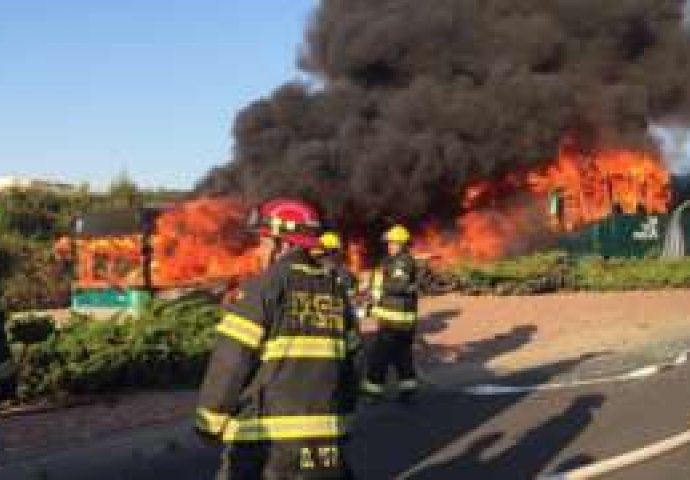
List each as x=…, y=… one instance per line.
x=602, y=275
x=166, y=347
x=556, y=271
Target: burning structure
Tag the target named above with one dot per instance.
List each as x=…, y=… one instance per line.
x=492, y=127
x=463, y=118
x=123, y=255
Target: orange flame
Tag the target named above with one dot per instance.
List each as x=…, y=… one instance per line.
x=201, y=241
x=355, y=255
x=592, y=186
x=575, y=189
x=106, y=262
x=194, y=243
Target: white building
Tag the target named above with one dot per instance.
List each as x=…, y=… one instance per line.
x=24, y=184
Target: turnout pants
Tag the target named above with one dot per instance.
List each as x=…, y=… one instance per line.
x=391, y=348
x=321, y=459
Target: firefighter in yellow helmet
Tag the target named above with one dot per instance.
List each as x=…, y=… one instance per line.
x=332, y=257
x=394, y=294
x=280, y=386
x=331, y=241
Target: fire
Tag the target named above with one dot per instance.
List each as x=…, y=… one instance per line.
x=106, y=262
x=355, y=256
x=591, y=187
x=201, y=241
x=193, y=243
x=575, y=189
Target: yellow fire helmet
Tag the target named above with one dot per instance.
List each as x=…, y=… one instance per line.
x=330, y=241
x=397, y=234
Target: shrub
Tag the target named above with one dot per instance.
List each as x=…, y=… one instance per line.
x=168, y=346
x=28, y=329
x=549, y=272
x=539, y=273
x=624, y=274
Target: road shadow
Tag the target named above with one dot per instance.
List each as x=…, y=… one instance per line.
x=470, y=362
x=480, y=351
x=522, y=459
x=390, y=439
x=438, y=321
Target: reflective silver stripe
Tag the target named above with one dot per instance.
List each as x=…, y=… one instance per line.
x=304, y=347
x=369, y=387
x=308, y=269
x=407, y=385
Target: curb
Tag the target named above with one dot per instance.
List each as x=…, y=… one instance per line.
x=130, y=451
x=624, y=460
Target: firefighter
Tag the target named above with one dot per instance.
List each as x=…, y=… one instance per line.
x=331, y=256
x=394, y=295
x=280, y=384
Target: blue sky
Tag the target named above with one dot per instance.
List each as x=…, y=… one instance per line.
x=91, y=87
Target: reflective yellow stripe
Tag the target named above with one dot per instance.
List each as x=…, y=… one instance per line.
x=369, y=387
x=243, y=330
x=285, y=428
x=392, y=316
x=308, y=269
x=377, y=285
x=210, y=421
x=304, y=347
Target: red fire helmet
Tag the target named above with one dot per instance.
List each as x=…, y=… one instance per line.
x=294, y=221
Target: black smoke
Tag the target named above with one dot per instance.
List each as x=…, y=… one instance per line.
x=409, y=100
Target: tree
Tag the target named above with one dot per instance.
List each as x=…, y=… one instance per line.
x=123, y=192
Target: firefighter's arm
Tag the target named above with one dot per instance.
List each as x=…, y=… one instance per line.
x=401, y=279
x=233, y=360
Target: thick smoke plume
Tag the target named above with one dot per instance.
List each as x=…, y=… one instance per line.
x=411, y=100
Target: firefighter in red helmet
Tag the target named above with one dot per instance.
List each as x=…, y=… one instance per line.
x=280, y=385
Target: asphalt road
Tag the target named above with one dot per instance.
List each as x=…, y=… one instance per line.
x=675, y=465
x=520, y=437
x=447, y=435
